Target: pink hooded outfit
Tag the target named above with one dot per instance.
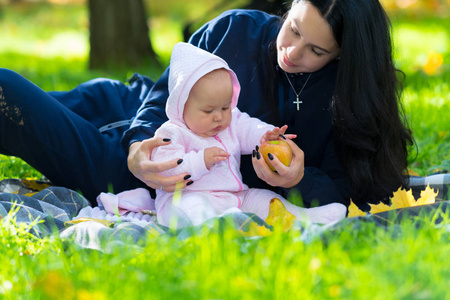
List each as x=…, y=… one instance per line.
x=221, y=188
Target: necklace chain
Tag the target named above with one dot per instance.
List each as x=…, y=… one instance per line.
x=297, y=96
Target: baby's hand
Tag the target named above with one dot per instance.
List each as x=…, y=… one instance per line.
x=276, y=134
x=214, y=155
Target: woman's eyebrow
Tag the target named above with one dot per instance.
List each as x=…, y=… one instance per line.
x=312, y=45
x=320, y=48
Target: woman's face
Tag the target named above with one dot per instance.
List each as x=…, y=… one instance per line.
x=305, y=43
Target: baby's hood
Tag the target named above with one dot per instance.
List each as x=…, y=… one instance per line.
x=188, y=64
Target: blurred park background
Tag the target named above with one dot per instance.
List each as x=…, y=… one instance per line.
x=58, y=44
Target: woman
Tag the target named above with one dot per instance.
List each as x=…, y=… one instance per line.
x=326, y=71
x=328, y=55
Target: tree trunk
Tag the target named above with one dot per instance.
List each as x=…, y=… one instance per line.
x=119, y=34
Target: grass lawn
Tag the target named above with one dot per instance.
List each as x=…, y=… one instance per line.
x=407, y=261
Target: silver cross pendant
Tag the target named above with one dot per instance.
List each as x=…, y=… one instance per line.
x=298, y=102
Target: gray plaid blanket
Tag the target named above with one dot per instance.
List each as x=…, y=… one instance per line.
x=56, y=207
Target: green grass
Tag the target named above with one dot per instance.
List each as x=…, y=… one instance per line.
x=351, y=262
x=361, y=262
x=426, y=98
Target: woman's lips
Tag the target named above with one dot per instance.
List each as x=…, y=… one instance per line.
x=287, y=62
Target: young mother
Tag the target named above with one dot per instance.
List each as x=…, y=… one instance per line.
x=325, y=70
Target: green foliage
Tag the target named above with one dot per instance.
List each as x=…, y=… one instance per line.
x=13, y=167
x=349, y=262
x=426, y=96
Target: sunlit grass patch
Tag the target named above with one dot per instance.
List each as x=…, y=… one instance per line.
x=423, y=52
x=347, y=262
x=416, y=39
x=427, y=102
x=13, y=167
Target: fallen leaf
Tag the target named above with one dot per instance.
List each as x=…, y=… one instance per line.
x=433, y=63
x=402, y=198
x=35, y=185
x=256, y=230
x=427, y=196
x=90, y=295
x=411, y=173
x=279, y=217
x=354, y=211
x=30, y=194
x=55, y=285
x=380, y=207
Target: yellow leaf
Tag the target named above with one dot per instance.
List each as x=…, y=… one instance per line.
x=427, y=196
x=380, y=207
x=443, y=134
x=411, y=173
x=55, y=285
x=34, y=184
x=279, y=217
x=107, y=223
x=30, y=194
x=433, y=63
x=88, y=295
x=402, y=198
x=354, y=211
x=256, y=230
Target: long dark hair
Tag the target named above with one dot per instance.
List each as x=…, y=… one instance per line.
x=371, y=132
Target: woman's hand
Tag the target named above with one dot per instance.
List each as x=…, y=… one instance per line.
x=286, y=177
x=144, y=169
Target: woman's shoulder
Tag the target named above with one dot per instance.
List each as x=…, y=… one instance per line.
x=240, y=26
x=248, y=15
x=256, y=15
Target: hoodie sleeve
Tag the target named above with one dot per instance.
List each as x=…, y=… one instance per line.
x=249, y=130
x=193, y=161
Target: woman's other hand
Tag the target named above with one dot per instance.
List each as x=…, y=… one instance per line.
x=144, y=169
x=286, y=177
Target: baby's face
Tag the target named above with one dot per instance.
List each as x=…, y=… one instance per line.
x=208, y=108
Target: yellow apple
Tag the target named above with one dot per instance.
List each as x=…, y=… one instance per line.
x=280, y=149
